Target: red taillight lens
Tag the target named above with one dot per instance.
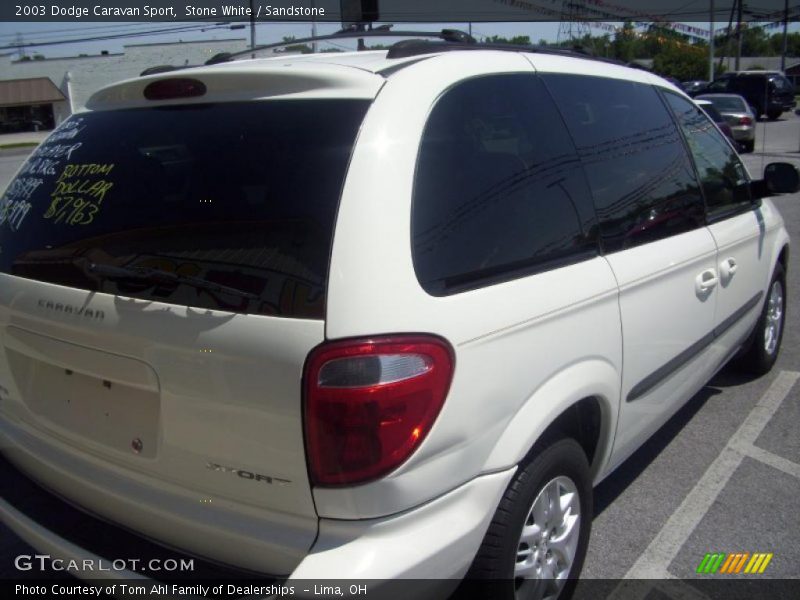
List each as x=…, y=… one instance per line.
x=176, y=87
x=370, y=403
x=745, y=121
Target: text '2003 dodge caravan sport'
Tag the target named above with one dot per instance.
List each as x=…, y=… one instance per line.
x=372, y=315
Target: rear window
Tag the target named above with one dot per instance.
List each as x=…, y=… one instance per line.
x=712, y=112
x=780, y=83
x=728, y=104
x=235, y=201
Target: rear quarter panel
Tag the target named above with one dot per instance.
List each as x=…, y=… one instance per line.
x=525, y=349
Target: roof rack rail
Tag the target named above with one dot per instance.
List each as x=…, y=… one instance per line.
x=447, y=40
x=162, y=69
x=409, y=48
x=447, y=35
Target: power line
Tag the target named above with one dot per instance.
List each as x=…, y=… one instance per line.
x=182, y=23
x=82, y=31
x=114, y=37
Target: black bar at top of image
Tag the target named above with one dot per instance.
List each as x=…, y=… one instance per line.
x=394, y=11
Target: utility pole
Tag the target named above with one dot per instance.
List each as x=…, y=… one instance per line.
x=252, y=29
x=785, y=33
x=20, y=42
x=738, y=34
x=573, y=27
x=711, y=41
x=313, y=25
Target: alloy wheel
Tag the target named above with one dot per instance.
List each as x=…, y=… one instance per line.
x=548, y=541
x=774, y=318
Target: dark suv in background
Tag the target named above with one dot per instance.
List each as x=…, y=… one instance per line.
x=767, y=92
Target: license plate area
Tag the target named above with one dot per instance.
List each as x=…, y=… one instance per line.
x=85, y=394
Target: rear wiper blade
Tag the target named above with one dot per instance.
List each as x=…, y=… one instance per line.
x=157, y=275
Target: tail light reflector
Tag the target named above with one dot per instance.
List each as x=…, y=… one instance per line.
x=745, y=121
x=176, y=87
x=369, y=403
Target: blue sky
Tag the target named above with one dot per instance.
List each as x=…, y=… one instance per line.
x=265, y=33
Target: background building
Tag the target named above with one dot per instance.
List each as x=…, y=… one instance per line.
x=39, y=93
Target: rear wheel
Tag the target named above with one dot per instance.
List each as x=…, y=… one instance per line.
x=765, y=341
x=536, y=543
x=748, y=145
x=774, y=114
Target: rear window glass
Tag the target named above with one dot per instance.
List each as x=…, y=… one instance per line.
x=780, y=83
x=235, y=202
x=729, y=104
x=712, y=112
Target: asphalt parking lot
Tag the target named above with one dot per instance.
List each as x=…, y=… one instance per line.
x=722, y=476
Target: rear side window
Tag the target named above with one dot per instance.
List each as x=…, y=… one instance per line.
x=750, y=83
x=499, y=192
x=241, y=196
x=780, y=83
x=723, y=176
x=720, y=85
x=642, y=180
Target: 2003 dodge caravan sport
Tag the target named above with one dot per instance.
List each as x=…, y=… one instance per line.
x=371, y=315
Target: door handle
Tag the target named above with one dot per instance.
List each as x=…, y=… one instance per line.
x=706, y=281
x=728, y=267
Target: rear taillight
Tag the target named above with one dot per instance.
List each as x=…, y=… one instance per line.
x=745, y=121
x=369, y=403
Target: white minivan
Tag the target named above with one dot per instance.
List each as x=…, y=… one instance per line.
x=369, y=315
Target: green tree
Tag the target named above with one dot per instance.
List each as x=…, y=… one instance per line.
x=301, y=48
x=517, y=40
x=792, y=44
x=654, y=40
x=594, y=45
x=682, y=62
x=623, y=47
x=755, y=42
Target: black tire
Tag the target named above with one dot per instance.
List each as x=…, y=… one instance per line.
x=774, y=114
x=755, y=357
x=492, y=571
x=748, y=146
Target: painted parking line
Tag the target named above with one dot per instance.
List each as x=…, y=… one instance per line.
x=773, y=460
x=662, y=550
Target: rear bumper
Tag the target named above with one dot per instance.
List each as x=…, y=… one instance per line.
x=223, y=532
x=435, y=542
x=87, y=547
x=782, y=105
x=744, y=134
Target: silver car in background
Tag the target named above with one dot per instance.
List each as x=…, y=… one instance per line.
x=739, y=116
x=720, y=121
